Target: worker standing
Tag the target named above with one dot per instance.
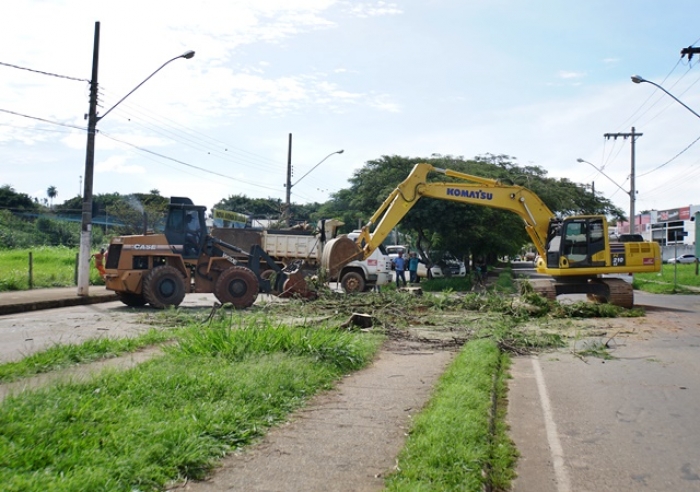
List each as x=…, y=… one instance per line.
x=100, y=261
x=400, y=268
x=413, y=268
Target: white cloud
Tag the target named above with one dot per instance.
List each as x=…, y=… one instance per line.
x=118, y=164
x=568, y=74
x=376, y=9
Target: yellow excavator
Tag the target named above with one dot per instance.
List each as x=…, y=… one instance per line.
x=576, y=251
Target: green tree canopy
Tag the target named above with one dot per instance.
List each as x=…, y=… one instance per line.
x=14, y=201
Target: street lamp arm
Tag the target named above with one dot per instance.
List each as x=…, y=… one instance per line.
x=638, y=79
x=309, y=171
x=186, y=55
x=601, y=172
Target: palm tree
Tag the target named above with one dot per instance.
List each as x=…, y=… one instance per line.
x=52, y=193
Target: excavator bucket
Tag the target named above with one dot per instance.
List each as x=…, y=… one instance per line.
x=339, y=252
x=296, y=285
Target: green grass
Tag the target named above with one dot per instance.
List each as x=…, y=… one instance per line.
x=173, y=417
x=462, y=284
x=663, y=282
x=451, y=445
x=52, y=267
x=65, y=355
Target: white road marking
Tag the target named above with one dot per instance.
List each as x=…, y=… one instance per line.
x=560, y=473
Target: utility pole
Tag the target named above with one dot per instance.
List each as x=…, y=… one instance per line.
x=632, y=192
x=86, y=220
x=289, y=181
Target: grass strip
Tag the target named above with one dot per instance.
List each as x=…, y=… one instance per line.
x=64, y=355
x=173, y=417
x=451, y=445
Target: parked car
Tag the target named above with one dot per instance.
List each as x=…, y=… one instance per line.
x=630, y=238
x=453, y=267
x=393, y=252
x=435, y=271
x=683, y=259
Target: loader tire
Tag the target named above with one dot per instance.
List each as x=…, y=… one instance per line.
x=164, y=286
x=131, y=299
x=353, y=283
x=238, y=286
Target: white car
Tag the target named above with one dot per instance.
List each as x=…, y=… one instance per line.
x=435, y=271
x=393, y=252
x=683, y=259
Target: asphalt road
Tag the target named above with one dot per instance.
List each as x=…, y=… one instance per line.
x=625, y=424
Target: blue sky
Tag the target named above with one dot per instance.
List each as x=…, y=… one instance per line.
x=541, y=81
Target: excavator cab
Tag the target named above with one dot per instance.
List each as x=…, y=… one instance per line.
x=577, y=242
x=185, y=227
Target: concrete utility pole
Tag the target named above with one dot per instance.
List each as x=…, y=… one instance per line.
x=287, y=202
x=86, y=218
x=93, y=119
x=632, y=192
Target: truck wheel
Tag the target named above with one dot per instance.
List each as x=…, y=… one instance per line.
x=237, y=285
x=132, y=300
x=353, y=283
x=164, y=286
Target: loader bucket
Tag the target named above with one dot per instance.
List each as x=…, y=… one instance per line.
x=339, y=252
x=296, y=285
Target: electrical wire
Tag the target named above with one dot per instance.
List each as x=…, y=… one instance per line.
x=671, y=159
x=44, y=73
x=42, y=119
x=188, y=136
x=186, y=163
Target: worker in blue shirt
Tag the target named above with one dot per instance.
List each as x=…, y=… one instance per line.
x=413, y=268
x=400, y=268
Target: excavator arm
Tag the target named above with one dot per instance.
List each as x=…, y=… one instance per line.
x=473, y=190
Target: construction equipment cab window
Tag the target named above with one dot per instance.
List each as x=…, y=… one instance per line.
x=185, y=227
x=581, y=239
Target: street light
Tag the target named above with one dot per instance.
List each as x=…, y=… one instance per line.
x=631, y=195
x=309, y=171
x=289, y=184
x=638, y=79
x=86, y=223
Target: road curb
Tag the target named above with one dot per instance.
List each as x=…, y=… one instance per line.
x=37, y=305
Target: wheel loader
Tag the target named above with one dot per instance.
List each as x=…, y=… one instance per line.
x=576, y=251
x=159, y=269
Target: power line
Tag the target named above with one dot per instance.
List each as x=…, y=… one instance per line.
x=203, y=140
x=671, y=159
x=44, y=73
x=42, y=119
x=186, y=163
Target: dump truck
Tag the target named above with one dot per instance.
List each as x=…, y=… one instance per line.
x=575, y=251
x=305, y=250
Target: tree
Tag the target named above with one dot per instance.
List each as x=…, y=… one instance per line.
x=52, y=193
x=16, y=202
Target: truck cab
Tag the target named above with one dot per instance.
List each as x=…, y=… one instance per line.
x=364, y=275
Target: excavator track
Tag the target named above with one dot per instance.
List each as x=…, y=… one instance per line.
x=545, y=288
x=620, y=293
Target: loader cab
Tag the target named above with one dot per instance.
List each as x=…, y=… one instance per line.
x=576, y=242
x=186, y=226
